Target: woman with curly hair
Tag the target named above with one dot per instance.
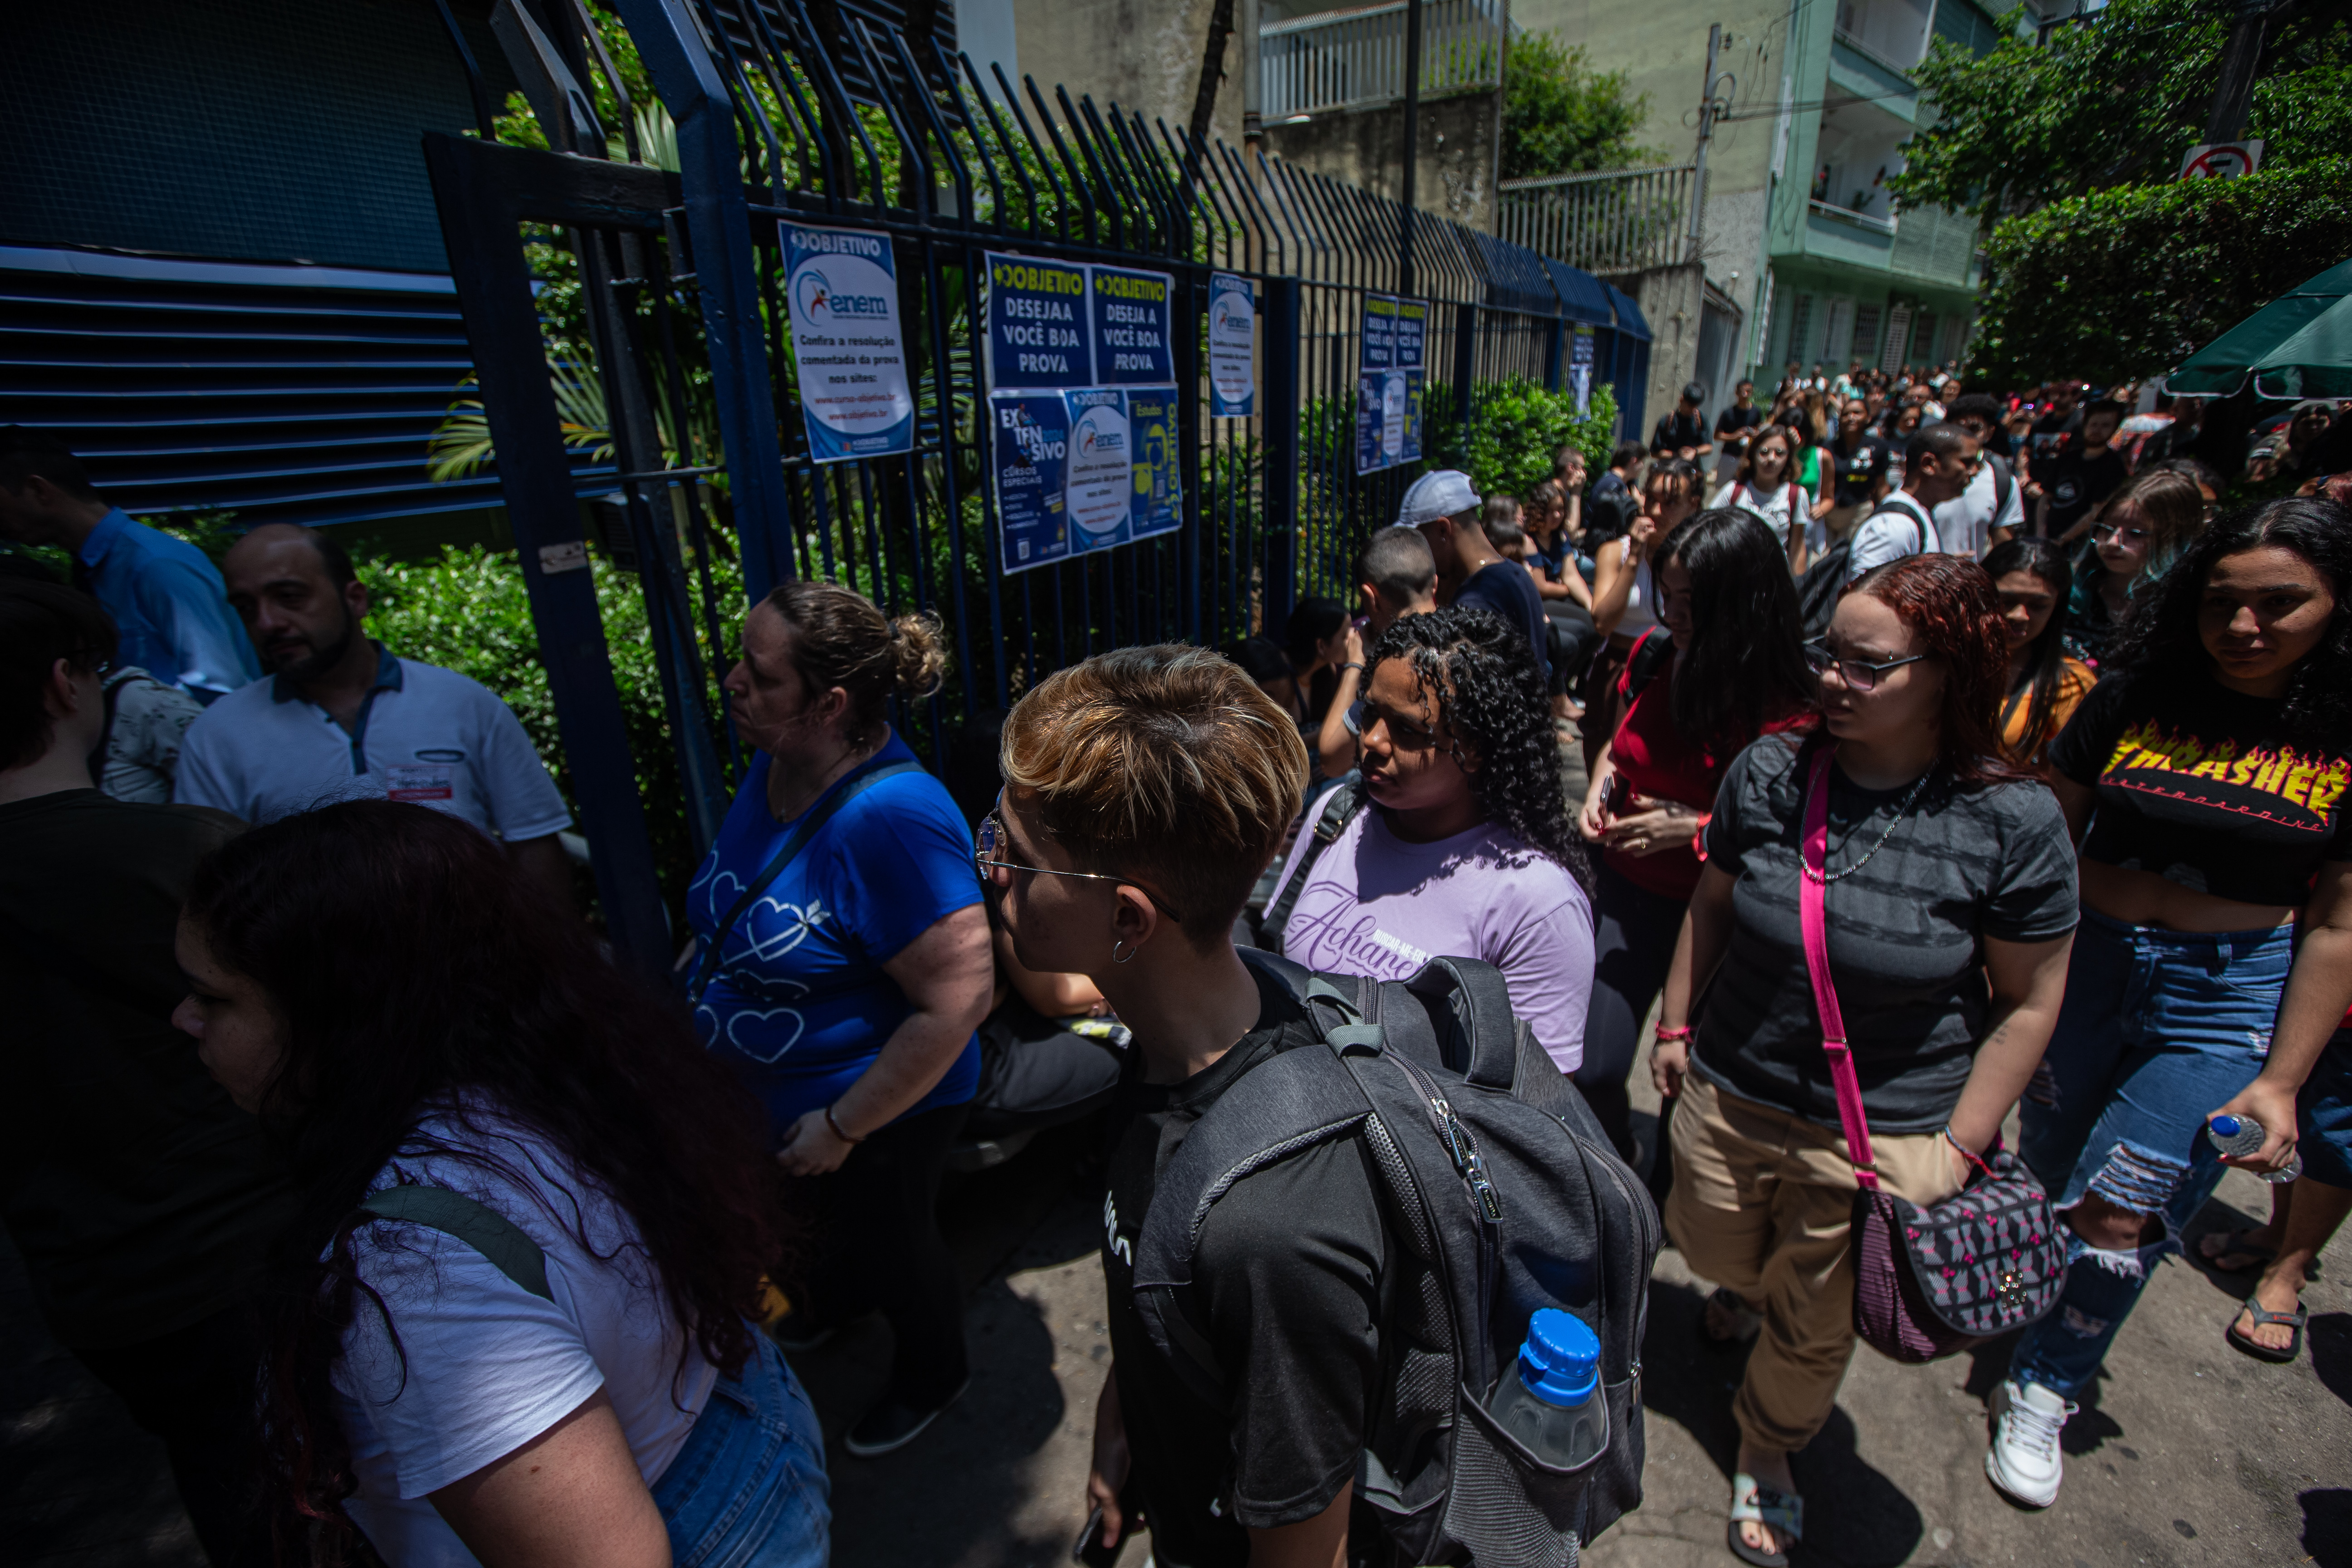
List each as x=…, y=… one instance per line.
x=1948, y=887
x=510, y=1315
x=2215, y=959
x=1467, y=850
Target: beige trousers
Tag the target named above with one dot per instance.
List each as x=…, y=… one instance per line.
x=1761, y=1204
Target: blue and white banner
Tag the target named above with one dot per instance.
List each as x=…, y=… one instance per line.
x=843, y=289
x=1134, y=314
x=1233, y=347
x=1040, y=330
x=1393, y=349
x=1579, y=369
x=1031, y=453
x=1158, y=480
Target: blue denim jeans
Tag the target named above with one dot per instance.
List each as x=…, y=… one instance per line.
x=2158, y=1028
x=749, y=1490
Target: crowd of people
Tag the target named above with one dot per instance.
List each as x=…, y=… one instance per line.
x=418, y=1230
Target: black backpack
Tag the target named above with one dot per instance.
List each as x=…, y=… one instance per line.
x=1500, y=1196
x=1819, y=589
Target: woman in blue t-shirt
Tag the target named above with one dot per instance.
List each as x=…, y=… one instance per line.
x=842, y=964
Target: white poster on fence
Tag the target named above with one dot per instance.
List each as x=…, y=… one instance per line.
x=1232, y=342
x=843, y=287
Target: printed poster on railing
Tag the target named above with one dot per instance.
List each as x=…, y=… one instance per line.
x=1040, y=332
x=1393, y=341
x=1232, y=346
x=1579, y=369
x=843, y=289
x=1133, y=344
x=1084, y=469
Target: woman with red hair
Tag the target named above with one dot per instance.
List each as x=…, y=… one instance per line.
x=1948, y=883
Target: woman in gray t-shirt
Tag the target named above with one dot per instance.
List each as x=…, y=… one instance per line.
x=1950, y=901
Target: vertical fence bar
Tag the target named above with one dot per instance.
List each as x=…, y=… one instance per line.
x=1285, y=321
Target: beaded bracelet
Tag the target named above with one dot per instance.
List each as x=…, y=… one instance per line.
x=1664, y=1034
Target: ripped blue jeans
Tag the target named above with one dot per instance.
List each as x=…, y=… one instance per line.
x=2159, y=1028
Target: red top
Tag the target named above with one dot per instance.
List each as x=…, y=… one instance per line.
x=1657, y=762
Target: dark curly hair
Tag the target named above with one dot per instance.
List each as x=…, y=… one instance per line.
x=1482, y=676
x=418, y=973
x=2160, y=641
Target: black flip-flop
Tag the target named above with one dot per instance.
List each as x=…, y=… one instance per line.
x=2235, y=1245
x=1782, y=1513
x=2247, y=1345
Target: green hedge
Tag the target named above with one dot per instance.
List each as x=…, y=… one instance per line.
x=1516, y=426
x=2129, y=282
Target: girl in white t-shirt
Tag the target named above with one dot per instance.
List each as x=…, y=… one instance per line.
x=1767, y=488
x=512, y=1318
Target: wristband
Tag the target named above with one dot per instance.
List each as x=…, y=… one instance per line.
x=839, y=1130
x=1357, y=665
x=1966, y=1153
x=1664, y=1034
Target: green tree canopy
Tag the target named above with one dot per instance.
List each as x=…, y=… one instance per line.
x=1562, y=117
x=2117, y=101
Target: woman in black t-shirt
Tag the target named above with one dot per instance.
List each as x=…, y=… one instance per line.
x=1950, y=892
x=2210, y=770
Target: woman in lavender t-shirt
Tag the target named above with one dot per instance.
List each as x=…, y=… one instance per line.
x=1467, y=850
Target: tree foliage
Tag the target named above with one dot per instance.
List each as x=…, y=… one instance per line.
x=1562, y=117
x=2116, y=102
x=1516, y=426
x=2128, y=282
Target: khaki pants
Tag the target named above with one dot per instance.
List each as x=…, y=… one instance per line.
x=1761, y=1204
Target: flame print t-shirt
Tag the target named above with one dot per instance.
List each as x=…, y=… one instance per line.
x=2204, y=787
x=801, y=1005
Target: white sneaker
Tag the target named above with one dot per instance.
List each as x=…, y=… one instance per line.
x=2023, y=1460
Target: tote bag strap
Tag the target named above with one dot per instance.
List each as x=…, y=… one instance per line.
x=1812, y=901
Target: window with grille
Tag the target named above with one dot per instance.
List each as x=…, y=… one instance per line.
x=1865, y=334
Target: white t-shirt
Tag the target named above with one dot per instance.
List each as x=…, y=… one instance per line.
x=1966, y=521
x=1776, y=506
x=490, y=1366
x=426, y=734
x=1374, y=904
x=1900, y=527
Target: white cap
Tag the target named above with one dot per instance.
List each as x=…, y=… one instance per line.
x=1442, y=494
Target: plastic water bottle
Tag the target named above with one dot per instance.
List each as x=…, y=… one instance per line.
x=1552, y=1403
x=2242, y=1135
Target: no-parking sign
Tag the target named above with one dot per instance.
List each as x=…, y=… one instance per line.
x=2221, y=160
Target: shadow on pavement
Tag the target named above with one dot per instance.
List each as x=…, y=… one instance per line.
x=2329, y=1337
x=2328, y=1526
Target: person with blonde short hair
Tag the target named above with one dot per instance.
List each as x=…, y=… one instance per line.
x=1145, y=790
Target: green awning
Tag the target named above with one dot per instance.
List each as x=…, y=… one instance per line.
x=2298, y=345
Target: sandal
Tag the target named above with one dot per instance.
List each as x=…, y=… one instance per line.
x=2233, y=1244
x=1746, y=1320
x=2247, y=1343
x=1783, y=1512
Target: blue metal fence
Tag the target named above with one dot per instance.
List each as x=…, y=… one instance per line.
x=854, y=123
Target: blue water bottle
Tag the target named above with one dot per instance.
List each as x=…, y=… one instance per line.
x=2242, y=1135
x=1551, y=1402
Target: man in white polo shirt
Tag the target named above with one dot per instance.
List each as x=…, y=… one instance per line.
x=339, y=718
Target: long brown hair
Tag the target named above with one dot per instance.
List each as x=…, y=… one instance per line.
x=418, y=975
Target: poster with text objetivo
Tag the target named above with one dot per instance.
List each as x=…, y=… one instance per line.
x=1410, y=354
x=1040, y=328
x=1133, y=313
x=1031, y=451
x=843, y=289
x=1158, y=503
x=1375, y=362
x=1233, y=347
x=1579, y=369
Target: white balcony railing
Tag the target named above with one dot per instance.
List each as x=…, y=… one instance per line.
x=1346, y=59
x=1618, y=220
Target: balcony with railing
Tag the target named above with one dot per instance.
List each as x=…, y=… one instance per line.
x=1355, y=58
x=1615, y=221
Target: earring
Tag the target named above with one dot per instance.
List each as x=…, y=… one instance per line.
x=1115, y=955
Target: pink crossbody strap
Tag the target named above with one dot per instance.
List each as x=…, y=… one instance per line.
x=1813, y=900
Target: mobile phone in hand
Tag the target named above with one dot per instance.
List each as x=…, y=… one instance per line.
x=1091, y=1550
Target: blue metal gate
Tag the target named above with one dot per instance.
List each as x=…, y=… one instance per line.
x=795, y=109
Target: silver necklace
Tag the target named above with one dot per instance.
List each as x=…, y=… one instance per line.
x=1826, y=876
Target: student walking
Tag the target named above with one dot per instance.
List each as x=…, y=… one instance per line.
x=842, y=964
x=510, y=1314
x=1949, y=889
x=2215, y=958
x=2046, y=683
x=1725, y=666
x=1458, y=842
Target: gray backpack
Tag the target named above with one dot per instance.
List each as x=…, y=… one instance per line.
x=1500, y=1195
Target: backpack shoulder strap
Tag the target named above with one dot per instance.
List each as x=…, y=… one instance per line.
x=1895, y=503
x=2003, y=482
x=811, y=821
x=498, y=1239
x=1339, y=808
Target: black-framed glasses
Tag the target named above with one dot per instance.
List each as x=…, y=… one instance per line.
x=996, y=874
x=1859, y=673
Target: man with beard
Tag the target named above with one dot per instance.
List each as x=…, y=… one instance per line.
x=341, y=718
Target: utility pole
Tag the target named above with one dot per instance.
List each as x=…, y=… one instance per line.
x=1705, y=134
x=1412, y=139
x=2240, y=56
